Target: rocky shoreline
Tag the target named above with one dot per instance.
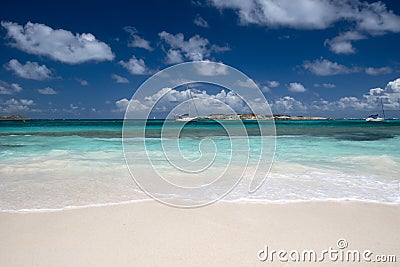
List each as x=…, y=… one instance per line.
x=258, y=117
x=13, y=118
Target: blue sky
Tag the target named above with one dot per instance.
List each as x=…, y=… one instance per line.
x=84, y=60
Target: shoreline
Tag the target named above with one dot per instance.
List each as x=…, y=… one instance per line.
x=153, y=234
x=238, y=201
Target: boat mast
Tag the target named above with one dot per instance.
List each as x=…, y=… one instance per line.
x=188, y=91
x=383, y=111
x=194, y=104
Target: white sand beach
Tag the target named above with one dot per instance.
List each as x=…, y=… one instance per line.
x=223, y=234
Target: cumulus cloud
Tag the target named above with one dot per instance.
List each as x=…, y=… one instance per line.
x=174, y=57
x=207, y=68
x=301, y=14
x=273, y=84
x=58, y=44
x=167, y=98
x=313, y=14
x=196, y=48
x=47, y=91
x=341, y=44
x=137, y=41
x=16, y=105
x=365, y=18
x=378, y=71
x=134, y=105
x=370, y=101
x=390, y=95
x=135, y=66
x=9, y=89
x=324, y=67
x=29, y=70
x=269, y=84
x=287, y=104
x=199, y=21
x=119, y=79
x=296, y=88
x=374, y=18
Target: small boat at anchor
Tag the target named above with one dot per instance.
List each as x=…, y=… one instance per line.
x=375, y=117
x=186, y=117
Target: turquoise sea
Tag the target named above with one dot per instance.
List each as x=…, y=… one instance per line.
x=56, y=164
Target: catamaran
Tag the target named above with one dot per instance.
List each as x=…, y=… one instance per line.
x=375, y=117
x=186, y=117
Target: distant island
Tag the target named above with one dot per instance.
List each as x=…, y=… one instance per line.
x=258, y=117
x=214, y=117
x=13, y=118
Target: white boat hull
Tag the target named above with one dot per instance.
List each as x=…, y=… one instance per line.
x=185, y=119
x=374, y=119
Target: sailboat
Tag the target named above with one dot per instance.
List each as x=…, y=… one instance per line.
x=186, y=117
x=375, y=117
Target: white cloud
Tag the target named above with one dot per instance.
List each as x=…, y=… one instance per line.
x=374, y=18
x=135, y=66
x=196, y=48
x=370, y=101
x=119, y=79
x=137, y=41
x=73, y=107
x=341, y=44
x=273, y=84
x=47, y=91
x=390, y=95
x=208, y=68
x=326, y=85
x=265, y=89
x=9, y=89
x=296, y=88
x=301, y=14
x=393, y=86
x=30, y=70
x=363, y=17
x=167, y=98
x=199, y=21
x=313, y=14
x=174, y=57
x=59, y=44
x=270, y=84
x=16, y=105
x=287, y=104
x=123, y=103
x=324, y=67
x=378, y=71
x=249, y=83
x=82, y=82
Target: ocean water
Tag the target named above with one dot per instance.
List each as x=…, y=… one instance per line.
x=57, y=164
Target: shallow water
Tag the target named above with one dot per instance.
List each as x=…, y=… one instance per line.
x=49, y=164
